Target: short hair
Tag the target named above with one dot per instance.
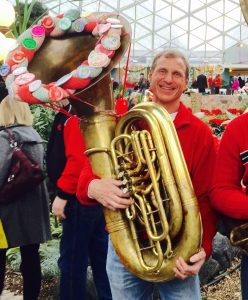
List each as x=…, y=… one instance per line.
x=172, y=53
x=15, y=112
x=142, y=74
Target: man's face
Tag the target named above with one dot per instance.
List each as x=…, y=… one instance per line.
x=168, y=80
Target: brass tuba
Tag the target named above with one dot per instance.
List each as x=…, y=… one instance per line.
x=164, y=223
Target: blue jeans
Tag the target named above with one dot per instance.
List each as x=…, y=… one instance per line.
x=244, y=277
x=84, y=239
x=125, y=285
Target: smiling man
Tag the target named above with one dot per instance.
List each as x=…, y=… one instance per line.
x=169, y=78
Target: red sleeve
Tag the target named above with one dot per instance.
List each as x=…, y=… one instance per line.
x=199, y=150
x=201, y=172
x=85, y=178
x=75, y=158
x=227, y=195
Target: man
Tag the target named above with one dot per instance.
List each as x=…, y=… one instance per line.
x=142, y=84
x=229, y=193
x=84, y=237
x=169, y=78
x=202, y=83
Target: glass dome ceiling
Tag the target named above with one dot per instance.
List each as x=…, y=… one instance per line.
x=203, y=29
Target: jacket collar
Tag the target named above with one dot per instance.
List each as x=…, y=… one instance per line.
x=183, y=116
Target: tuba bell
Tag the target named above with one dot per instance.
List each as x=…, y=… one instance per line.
x=164, y=221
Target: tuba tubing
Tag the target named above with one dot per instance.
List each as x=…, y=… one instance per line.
x=188, y=226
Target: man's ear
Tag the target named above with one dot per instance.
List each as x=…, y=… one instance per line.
x=186, y=84
x=150, y=76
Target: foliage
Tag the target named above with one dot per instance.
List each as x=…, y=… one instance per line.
x=49, y=254
x=55, y=226
x=43, y=119
x=218, y=119
x=26, y=14
x=224, y=84
x=118, y=92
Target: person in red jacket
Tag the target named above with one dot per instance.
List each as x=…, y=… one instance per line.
x=84, y=237
x=217, y=83
x=169, y=78
x=229, y=192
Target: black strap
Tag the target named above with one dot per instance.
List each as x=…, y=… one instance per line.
x=10, y=126
x=12, y=141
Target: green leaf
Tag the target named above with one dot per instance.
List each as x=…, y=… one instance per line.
x=230, y=115
x=27, y=13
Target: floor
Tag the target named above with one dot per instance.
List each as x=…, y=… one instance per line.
x=7, y=295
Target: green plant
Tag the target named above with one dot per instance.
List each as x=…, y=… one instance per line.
x=55, y=226
x=43, y=119
x=118, y=92
x=49, y=254
x=12, y=252
x=26, y=13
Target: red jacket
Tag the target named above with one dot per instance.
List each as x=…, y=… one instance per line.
x=75, y=159
x=199, y=150
x=217, y=81
x=227, y=195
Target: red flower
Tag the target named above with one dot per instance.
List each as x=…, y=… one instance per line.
x=215, y=121
x=216, y=111
x=232, y=110
x=235, y=111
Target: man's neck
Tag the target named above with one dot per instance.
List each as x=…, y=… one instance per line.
x=171, y=107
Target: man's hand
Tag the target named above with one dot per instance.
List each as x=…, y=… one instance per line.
x=184, y=270
x=108, y=193
x=58, y=207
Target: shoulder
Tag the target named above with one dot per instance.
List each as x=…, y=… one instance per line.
x=199, y=126
x=192, y=124
x=26, y=134
x=72, y=128
x=72, y=121
x=238, y=124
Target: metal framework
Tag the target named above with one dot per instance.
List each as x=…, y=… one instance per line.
x=203, y=29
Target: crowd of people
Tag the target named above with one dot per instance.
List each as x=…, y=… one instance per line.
x=80, y=194
x=212, y=84
x=134, y=90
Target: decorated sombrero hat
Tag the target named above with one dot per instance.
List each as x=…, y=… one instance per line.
x=70, y=54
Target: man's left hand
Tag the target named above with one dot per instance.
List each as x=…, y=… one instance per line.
x=184, y=270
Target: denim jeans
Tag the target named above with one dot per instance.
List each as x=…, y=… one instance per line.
x=125, y=285
x=84, y=239
x=244, y=277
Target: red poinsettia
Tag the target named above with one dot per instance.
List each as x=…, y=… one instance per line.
x=217, y=111
x=215, y=121
x=235, y=111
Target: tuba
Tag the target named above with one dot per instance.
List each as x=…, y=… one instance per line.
x=164, y=221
